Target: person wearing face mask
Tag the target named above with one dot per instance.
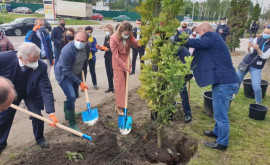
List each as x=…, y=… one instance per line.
x=183, y=29
x=68, y=36
x=72, y=61
x=120, y=43
x=29, y=76
x=257, y=54
x=212, y=65
x=109, y=30
x=92, y=56
x=141, y=48
x=56, y=35
x=223, y=29
x=42, y=39
x=192, y=36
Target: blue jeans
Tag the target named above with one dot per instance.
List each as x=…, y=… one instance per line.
x=256, y=81
x=69, y=89
x=221, y=96
x=185, y=101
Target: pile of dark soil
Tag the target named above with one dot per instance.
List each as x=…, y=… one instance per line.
x=108, y=143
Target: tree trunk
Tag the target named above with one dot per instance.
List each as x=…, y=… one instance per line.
x=159, y=135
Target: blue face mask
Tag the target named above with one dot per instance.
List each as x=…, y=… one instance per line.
x=79, y=45
x=89, y=35
x=266, y=36
x=42, y=28
x=108, y=33
x=198, y=36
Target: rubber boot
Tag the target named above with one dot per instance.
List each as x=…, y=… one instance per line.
x=65, y=110
x=72, y=120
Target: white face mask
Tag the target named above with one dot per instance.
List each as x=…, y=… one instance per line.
x=32, y=65
x=194, y=33
x=125, y=36
x=79, y=45
x=222, y=23
x=108, y=33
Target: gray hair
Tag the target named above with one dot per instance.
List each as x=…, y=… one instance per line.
x=28, y=49
x=39, y=19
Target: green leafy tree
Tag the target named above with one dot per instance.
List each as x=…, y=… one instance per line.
x=237, y=18
x=256, y=11
x=163, y=74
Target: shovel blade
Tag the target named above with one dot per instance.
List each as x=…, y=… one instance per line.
x=90, y=117
x=125, y=123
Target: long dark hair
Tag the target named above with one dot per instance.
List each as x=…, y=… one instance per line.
x=65, y=40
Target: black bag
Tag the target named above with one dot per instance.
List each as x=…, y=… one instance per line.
x=243, y=66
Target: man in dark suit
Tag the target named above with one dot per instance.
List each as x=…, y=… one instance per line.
x=223, y=29
x=212, y=65
x=141, y=49
x=30, y=79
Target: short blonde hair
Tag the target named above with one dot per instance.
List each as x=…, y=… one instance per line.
x=110, y=27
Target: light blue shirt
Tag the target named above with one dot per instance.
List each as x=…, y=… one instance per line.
x=42, y=51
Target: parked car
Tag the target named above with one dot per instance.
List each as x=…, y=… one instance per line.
x=188, y=21
x=8, y=7
x=40, y=11
x=97, y=16
x=121, y=18
x=23, y=10
x=21, y=26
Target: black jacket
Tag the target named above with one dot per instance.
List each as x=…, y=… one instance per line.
x=108, y=54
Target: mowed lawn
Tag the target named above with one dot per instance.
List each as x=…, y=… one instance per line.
x=249, y=139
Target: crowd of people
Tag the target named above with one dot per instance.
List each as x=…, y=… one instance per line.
x=25, y=74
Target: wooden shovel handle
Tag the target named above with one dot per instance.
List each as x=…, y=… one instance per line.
x=85, y=91
x=46, y=120
x=127, y=75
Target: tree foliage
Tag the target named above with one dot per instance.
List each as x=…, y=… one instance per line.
x=238, y=15
x=163, y=74
x=124, y=5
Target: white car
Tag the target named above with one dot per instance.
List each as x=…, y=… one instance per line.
x=40, y=11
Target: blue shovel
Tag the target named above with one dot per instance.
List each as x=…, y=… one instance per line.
x=90, y=116
x=125, y=122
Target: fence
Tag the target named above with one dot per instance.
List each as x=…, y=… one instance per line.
x=33, y=7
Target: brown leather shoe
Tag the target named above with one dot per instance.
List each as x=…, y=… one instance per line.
x=119, y=111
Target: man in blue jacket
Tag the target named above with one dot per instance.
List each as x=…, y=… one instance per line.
x=212, y=65
x=72, y=61
x=40, y=37
x=30, y=79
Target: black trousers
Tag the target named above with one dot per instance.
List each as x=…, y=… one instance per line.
x=6, y=119
x=92, y=69
x=135, y=51
x=109, y=71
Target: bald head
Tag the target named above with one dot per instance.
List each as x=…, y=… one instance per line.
x=7, y=93
x=203, y=28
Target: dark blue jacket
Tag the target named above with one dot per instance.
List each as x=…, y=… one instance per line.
x=225, y=29
x=31, y=36
x=39, y=89
x=65, y=63
x=212, y=63
x=250, y=58
x=57, y=36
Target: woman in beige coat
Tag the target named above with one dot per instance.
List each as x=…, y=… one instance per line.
x=120, y=43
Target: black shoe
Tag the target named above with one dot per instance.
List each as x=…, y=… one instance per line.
x=44, y=144
x=96, y=87
x=215, y=145
x=210, y=134
x=188, y=119
x=2, y=148
x=112, y=90
x=108, y=90
x=132, y=72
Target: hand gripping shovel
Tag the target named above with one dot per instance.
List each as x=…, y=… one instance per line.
x=125, y=122
x=49, y=121
x=90, y=116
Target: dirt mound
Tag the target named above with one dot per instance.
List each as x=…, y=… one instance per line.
x=109, y=146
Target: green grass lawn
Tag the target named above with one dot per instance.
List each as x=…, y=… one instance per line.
x=249, y=139
x=8, y=17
